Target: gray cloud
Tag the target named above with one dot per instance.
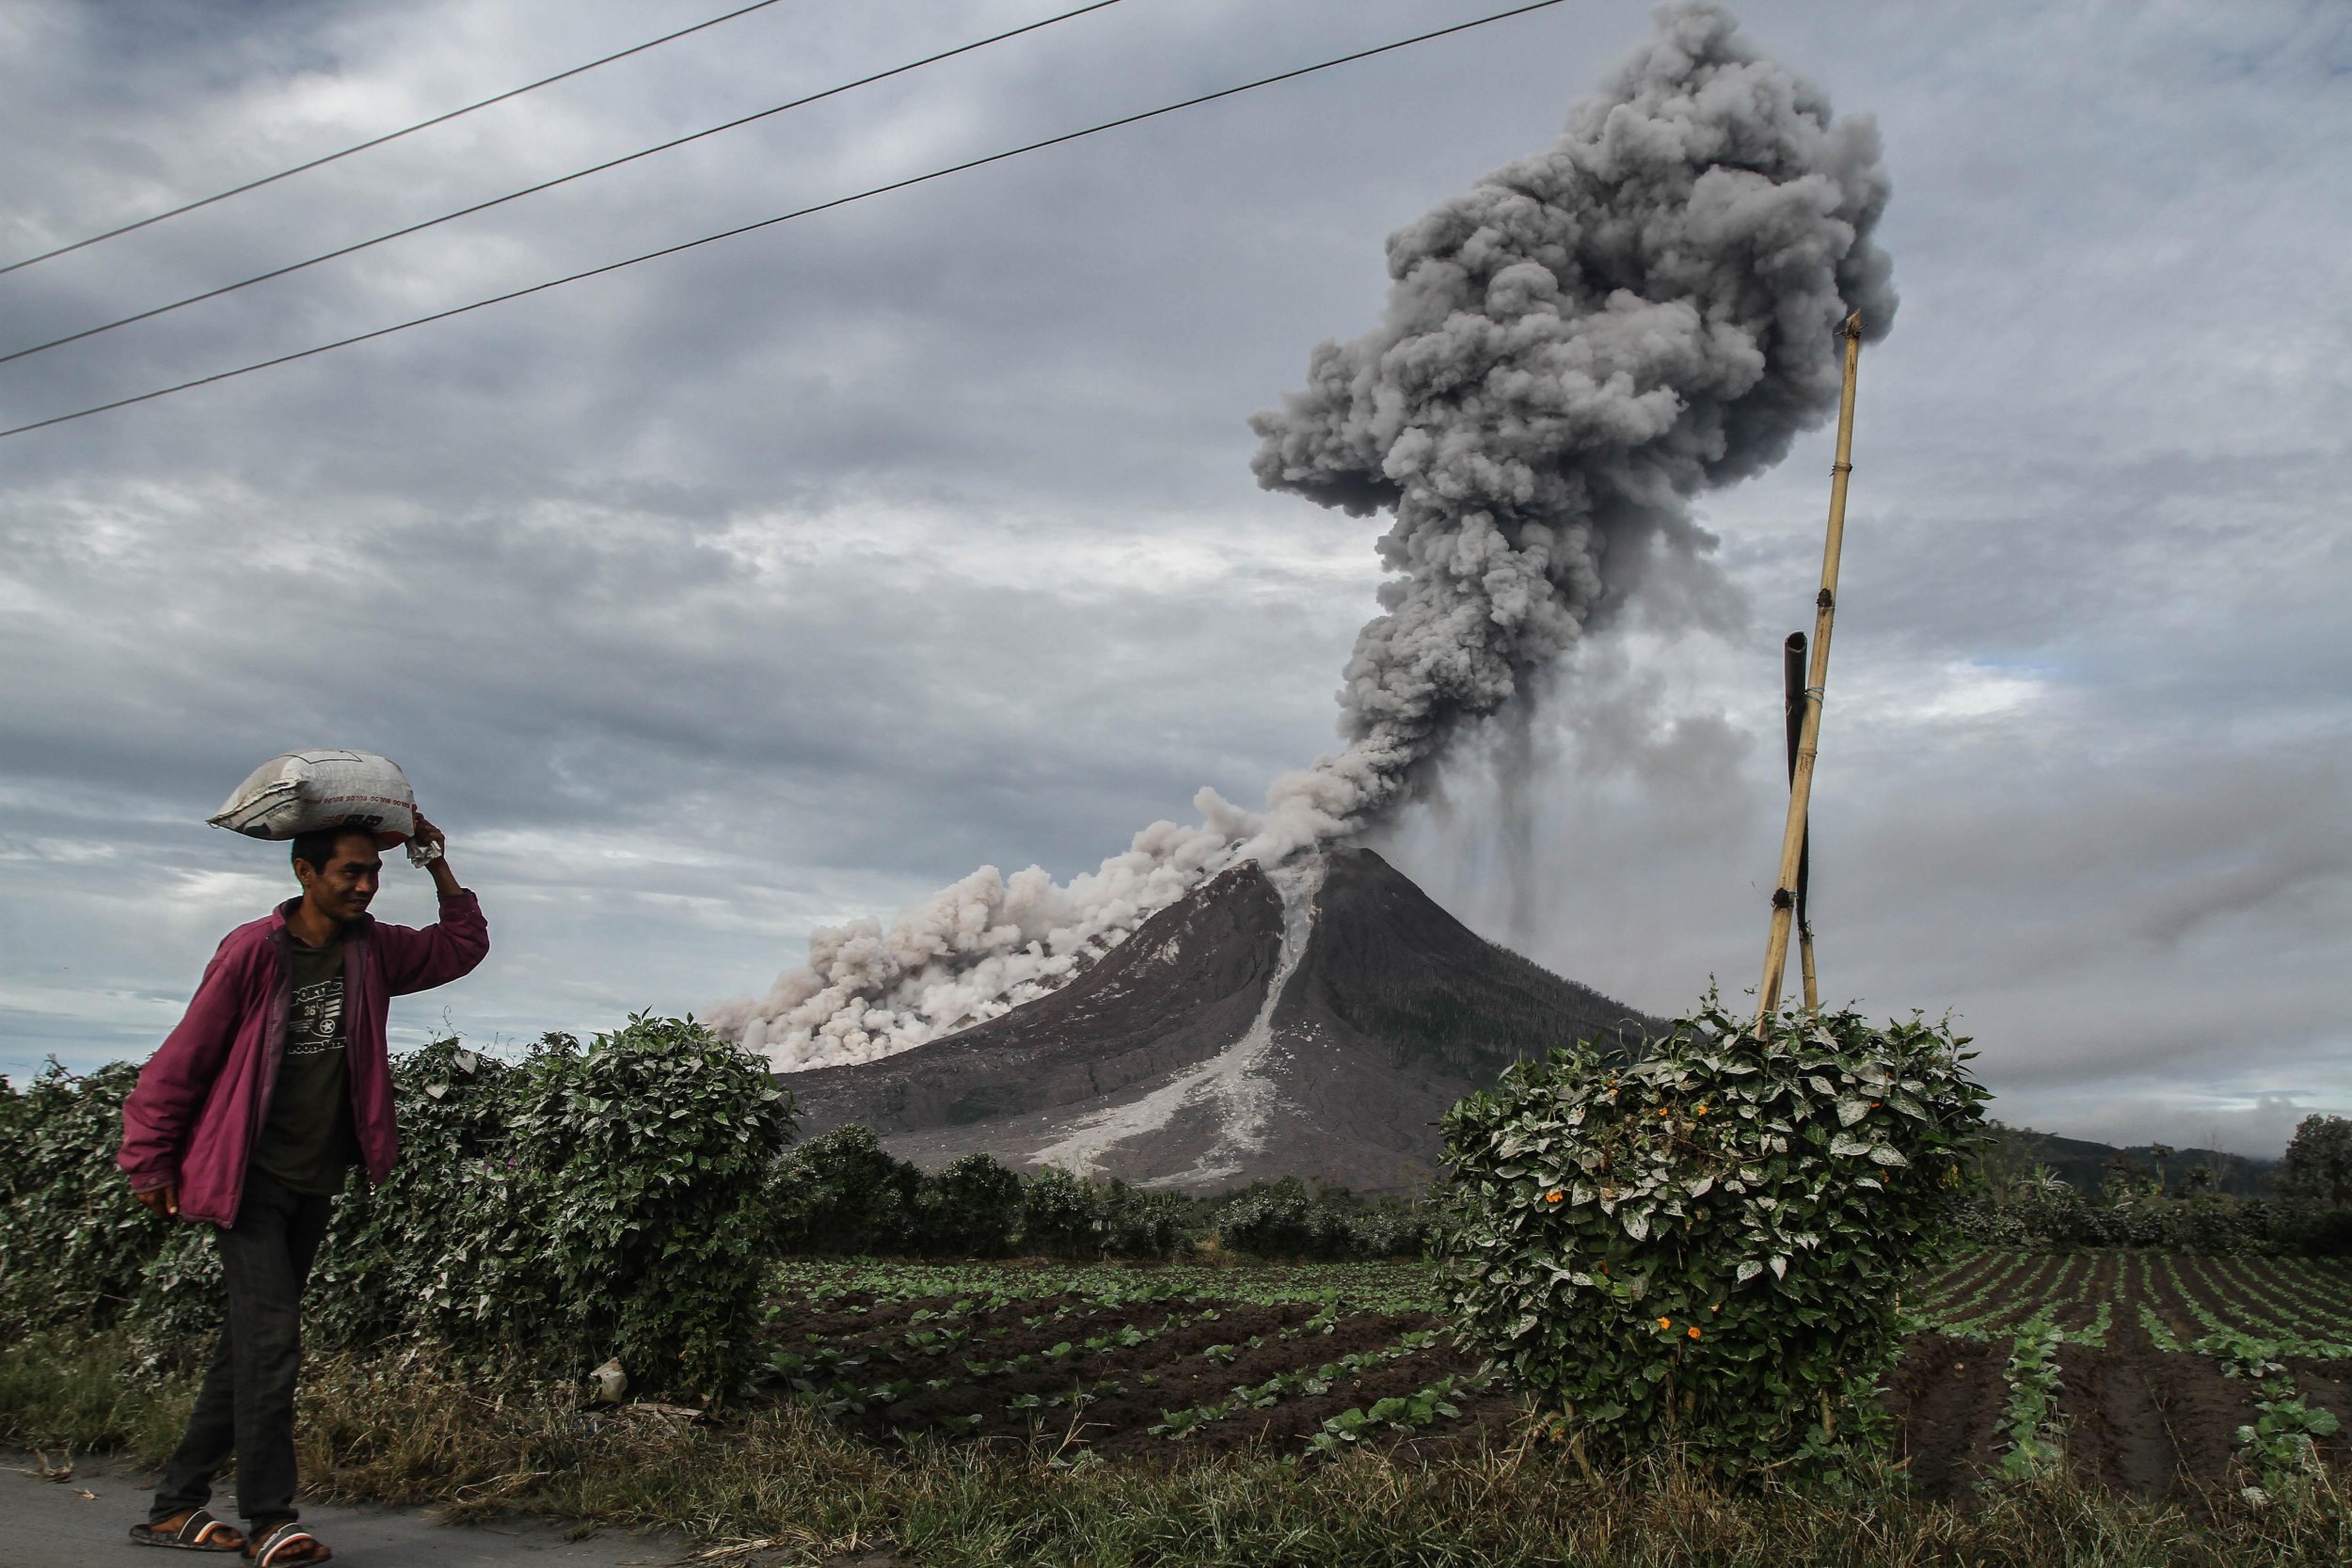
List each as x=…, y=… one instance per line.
x=783, y=582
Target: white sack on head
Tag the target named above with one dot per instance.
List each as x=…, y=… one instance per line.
x=1573, y=350
x=300, y=791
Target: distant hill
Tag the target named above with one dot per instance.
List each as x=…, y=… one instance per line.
x=2084, y=1166
x=1315, y=1023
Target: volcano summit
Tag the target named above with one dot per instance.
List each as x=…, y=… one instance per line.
x=1314, y=1021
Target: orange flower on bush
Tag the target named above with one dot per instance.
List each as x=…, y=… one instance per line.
x=1664, y=1323
x=1702, y=1110
x=1694, y=1331
x=1554, y=1195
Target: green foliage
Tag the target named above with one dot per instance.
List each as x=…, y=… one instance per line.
x=642, y=1161
x=2281, y=1444
x=1278, y=1219
x=842, y=1195
x=2042, y=1212
x=1398, y=1412
x=841, y=1192
x=589, y=1202
x=1057, y=1216
x=72, y=1245
x=585, y=1203
x=2030, y=1422
x=1139, y=1223
x=2317, y=1167
x=972, y=1209
x=1067, y=1216
x=1705, y=1246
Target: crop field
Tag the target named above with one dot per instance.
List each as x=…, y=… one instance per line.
x=2155, y=1373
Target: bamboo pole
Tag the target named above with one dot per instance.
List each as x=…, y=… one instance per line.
x=1817, y=678
x=1792, y=708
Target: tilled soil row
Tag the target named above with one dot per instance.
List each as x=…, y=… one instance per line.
x=2285, y=1304
x=2138, y=1420
x=1170, y=1358
x=879, y=1337
x=2021, y=1295
x=1995, y=1276
x=1947, y=1396
x=2151, y=1422
x=1948, y=1287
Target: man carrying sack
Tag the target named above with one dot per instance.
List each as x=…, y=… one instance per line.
x=250, y=1117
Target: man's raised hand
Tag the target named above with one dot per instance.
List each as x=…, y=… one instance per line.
x=427, y=847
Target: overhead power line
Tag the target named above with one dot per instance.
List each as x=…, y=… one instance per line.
x=402, y=232
x=388, y=137
x=787, y=217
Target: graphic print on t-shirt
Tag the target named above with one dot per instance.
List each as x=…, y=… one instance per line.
x=314, y=1018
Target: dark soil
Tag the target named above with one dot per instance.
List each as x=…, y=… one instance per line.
x=1946, y=1397
x=2117, y=1432
x=2138, y=1420
x=1958, y=1284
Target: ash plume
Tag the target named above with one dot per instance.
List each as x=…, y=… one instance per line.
x=1573, y=350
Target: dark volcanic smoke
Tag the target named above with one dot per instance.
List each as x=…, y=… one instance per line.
x=1573, y=350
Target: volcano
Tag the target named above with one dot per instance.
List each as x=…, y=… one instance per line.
x=1315, y=1020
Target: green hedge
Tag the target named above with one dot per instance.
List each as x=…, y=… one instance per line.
x=619, y=1198
x=73, y=1246
x=2057, y=1217
x=842, y=1195
x=1278, y=1219
x=587, y=1202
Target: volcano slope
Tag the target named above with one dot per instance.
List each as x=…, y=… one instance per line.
x=1315, y=1023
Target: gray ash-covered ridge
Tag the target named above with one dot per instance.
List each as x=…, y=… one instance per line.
x=1209, y=1049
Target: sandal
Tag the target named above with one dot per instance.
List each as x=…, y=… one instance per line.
x=197, y=1532
x=282, y=1545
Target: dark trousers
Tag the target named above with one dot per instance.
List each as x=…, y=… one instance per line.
x=245, y=1408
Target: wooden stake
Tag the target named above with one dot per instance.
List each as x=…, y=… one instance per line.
x=1817, y=679
x=1805, y=960
x=1792, y=674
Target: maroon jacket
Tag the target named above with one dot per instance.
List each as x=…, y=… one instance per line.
x=202, y=1097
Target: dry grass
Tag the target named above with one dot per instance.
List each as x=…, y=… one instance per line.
x=777, y=1485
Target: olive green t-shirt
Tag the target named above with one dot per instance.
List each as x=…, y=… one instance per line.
x=307, y=1142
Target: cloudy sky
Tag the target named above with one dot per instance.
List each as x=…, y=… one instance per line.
x=788, y=579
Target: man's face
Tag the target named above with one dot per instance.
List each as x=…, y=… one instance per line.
x=341, y=889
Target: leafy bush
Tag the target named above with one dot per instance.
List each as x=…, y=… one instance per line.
x=73, y=1246
x=2054, y=1216
x=972, y=1209
x=1278, y=1219
x=2302, y=1227
x=841, y=1193
x=1705, y=1246
x=1068, y=1216
x=1057, y=1216
x=2317, y=1169
x=1132, y=1222
x=641, y=1166
x=586, y=1203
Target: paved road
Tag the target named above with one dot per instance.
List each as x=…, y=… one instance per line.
x=84, y=1523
